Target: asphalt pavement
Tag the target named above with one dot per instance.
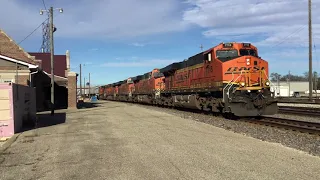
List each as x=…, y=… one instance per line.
x=124, y=141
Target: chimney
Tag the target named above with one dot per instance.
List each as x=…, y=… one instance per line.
x=68, y=60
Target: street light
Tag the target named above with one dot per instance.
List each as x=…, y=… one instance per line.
x=52, y=29
x=51, y=9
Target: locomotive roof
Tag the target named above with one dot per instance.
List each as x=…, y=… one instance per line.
x=191, y=61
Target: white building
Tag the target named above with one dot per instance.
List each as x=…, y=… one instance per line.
x=293, y=88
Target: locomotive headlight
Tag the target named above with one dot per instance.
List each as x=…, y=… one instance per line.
x=267, y=83
x=248, y=61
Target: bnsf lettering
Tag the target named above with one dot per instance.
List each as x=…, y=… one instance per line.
x=237, y=70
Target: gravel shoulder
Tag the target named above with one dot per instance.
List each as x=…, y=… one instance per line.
x=300, y=141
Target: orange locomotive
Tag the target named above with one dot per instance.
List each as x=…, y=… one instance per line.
x=148, y=87
x=228, y=78
x=126, y=88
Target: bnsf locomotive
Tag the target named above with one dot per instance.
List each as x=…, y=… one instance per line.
x=229, y=78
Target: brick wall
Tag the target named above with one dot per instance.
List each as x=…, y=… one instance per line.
x=72, y=90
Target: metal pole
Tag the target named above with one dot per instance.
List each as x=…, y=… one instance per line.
x=89, y=85
x=315, y=86
x=52, y=61
x=289, y=83
x=16, y=80
x=278, y=88
x=80, y=82
x=310, y=50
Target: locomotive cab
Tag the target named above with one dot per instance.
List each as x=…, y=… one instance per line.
x=246, y=90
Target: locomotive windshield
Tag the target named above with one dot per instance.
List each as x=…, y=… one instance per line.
x=248, y=52
x=129, y=81
x=157, y=75
x=225, y=55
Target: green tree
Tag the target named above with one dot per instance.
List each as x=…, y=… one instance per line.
x=275, y=76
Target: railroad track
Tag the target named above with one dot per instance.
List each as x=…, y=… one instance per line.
x=289, y=124
x=300, y=111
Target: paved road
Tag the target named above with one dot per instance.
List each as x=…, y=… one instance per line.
x=123, y=141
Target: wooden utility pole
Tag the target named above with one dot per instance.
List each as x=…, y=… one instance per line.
x=80, y=82
x=52, y=61
x=89, y=85
x=315, y=85
x=289, y=82
x=84, y=85
x=52, y=29
x=310, y=50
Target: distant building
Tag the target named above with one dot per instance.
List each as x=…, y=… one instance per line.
x=85, y=90
x=293, y=88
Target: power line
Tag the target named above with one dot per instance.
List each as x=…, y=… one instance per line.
x=32, y=32
x=293, y=33
x=10, y=50
x=44, y=4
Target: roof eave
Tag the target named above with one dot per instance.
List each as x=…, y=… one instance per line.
x=30, y=66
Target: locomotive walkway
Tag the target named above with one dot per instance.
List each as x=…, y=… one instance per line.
x=125, y=141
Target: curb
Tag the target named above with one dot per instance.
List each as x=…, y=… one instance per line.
x=9, y=142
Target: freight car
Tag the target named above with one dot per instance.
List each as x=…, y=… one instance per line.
x=229, y=78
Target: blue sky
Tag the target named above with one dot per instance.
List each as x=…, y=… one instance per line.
x=117, y=39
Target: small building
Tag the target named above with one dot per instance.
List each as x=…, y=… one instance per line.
x=61, y=69
x=293, y=88
x=86, y=91
x=19, y=67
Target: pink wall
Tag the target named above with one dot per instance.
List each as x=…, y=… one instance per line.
x=6, y=124
x=17, y=105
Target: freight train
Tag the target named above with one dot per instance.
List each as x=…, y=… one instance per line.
x=230, y=78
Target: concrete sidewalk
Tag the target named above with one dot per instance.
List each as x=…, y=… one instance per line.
x=124, y=141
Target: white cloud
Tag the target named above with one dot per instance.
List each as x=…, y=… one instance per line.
x=141, y=63
x=266, y=22
x=93, y=49
x=138, y=44
x=270, y=22
x=96, y=19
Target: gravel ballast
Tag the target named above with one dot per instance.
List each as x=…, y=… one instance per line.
x=316, y=106
x=297, y=117
x=302, y=141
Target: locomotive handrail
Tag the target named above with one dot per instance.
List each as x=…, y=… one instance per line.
x=230, y=85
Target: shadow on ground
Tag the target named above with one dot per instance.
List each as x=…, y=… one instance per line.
x=84, y=105
x=45, y=120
